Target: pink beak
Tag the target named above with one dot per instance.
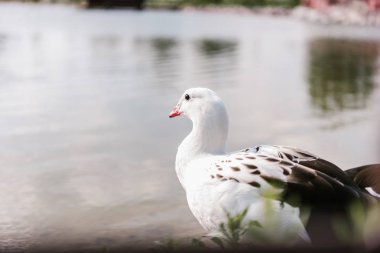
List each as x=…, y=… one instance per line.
x=175, y=112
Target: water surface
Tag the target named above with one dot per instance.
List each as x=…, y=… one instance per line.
x=87, y=149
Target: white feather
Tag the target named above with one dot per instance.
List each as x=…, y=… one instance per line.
x=199, y=159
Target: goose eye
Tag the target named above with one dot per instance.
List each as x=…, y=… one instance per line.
x=187, y=97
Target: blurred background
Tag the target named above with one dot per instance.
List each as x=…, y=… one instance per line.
x=87, y=149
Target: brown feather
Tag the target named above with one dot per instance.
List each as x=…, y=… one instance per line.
x=366, y=176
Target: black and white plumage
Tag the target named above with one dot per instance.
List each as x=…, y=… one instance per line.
x=287, y=178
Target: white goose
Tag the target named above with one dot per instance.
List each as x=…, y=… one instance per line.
x=253, y=178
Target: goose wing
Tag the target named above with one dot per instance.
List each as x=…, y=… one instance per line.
x=294, y=175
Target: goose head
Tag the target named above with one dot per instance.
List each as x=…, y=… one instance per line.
x=198, y=103
x=209, y=116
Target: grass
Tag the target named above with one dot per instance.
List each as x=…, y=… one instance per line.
x=364, y=229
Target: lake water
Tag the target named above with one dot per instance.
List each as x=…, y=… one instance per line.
x=87, y=149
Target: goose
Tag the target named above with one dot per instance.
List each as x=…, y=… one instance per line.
x=289, y=180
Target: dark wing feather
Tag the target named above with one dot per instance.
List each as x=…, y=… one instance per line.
x=315, y=188
x=307, y=159
x=366, y=176
x=313, y=180
x=320, y=185
x=329, y=169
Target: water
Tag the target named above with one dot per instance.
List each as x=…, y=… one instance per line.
x=87, y=149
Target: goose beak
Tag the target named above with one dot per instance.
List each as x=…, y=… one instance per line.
x=175, y=112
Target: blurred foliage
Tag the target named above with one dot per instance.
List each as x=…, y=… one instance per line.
x=362, y=226
x=230, y=236
x=246, y=3
x=167, y=245
x=178, y=3
x=233, y=230
x=341, y=73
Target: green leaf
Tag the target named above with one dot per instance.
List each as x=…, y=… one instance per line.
x=196, y=243
x=254, y=223
x=223, y=229
x=167, y=245
x=218, y=241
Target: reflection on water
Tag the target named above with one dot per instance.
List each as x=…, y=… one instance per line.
x=87, y=149
x=207, y=62
x=217, y=61
x=341, y=73
x=166, y=59
x=2, y=40
x=211, y=47
x=163, y=46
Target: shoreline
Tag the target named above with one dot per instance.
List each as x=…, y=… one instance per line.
x=356, y=14
x=335, y=15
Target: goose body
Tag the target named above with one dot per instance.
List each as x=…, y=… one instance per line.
x=273, y=182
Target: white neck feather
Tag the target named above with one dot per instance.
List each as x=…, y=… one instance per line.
x=208, y=136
